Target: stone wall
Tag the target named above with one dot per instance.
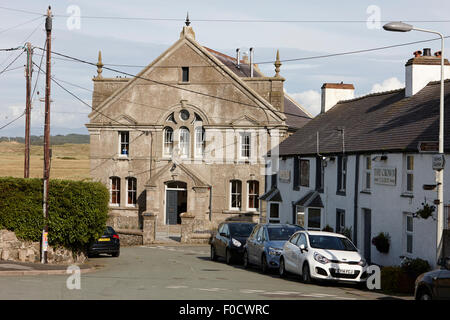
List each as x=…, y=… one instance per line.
x=13, y=249
x=130, y=238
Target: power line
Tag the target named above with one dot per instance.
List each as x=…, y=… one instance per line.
x=4, y=70
x=12, y=121
x=19, y=25
x=226, y=20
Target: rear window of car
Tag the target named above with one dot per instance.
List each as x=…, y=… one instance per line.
x=331, y=243
x=241, y=229
x=109, y=231
x=281, y=233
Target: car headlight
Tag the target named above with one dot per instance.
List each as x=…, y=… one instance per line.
x=236, y=243
x=320, y=258
x=275, y=251
x=362, y=263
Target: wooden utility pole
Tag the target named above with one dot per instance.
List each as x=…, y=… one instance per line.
x=48, y=28
x=28, y=72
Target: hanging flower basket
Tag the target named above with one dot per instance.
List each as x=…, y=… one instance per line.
x=426, y=211
x=382, y=242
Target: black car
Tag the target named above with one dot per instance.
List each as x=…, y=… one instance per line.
x=230, y=240
x=434, y=285
x=108, y=243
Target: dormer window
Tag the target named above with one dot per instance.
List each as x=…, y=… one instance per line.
x=185, y=74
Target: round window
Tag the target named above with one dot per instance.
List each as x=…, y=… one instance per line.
x=184, y=115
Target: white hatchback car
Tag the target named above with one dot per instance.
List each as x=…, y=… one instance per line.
x=322, y=255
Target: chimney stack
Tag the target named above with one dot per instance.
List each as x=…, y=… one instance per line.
x=251, y=62
x=332, y=93
x=238, y=58
x=422, y=69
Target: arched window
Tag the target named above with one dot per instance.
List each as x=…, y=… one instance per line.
x=131, y=191
x=168, y=141
x=199, y=141
x=114, y=191
x=235, y=194
x=184, y=142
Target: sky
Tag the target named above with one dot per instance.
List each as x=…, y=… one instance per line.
x=138, y=42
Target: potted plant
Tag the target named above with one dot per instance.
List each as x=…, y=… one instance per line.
x=347, y=232
x=328, y=229
x=382, y=242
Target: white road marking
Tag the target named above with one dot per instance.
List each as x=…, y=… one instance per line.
x=283, y=292
x=211, y=289
x=177, y=287
x=251, y=291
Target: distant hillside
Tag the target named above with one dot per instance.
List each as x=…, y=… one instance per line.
x=55, y=140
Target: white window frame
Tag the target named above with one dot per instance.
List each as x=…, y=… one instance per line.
x=300, y=210
x=128, y=179
x=200, y=143
x=235, y=194
x=185, y=144
x=367, y=173
x=115, y=190
x=244, y=146
x=409, y=172
x=127, y=143
x=256, y=195
x=343, y=175
x=167, y=145
x=408, y=233
x=307, y=227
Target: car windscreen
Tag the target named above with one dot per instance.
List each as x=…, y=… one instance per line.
x=331, y=243
x=241, y=229
x=281, y=233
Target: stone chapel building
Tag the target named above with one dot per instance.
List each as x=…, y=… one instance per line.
x=188, y=134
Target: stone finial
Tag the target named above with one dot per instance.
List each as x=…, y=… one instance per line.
x=99, y=65
x=187, y=31
x=187, y=22
x=277, y=64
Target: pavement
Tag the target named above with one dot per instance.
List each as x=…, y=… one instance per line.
x=170, y=272
x=13, y=268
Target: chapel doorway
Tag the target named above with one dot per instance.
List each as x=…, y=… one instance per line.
x=176, y=201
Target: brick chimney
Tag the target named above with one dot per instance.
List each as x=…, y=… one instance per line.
x=422, y=69
x=332, y=93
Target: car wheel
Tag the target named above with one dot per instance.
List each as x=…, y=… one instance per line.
x=213, y=254
x=246, y=262
x=264, y=267
x=424, y=295
x=306, y=275
x=116, y=254
x=282, y=270
x=228, y=257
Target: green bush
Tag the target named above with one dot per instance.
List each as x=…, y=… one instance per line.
x=401, y=279
x=77, y=210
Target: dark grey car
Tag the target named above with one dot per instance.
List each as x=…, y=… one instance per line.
x=434, y=285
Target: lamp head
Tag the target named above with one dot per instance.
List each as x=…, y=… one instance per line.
x=398, y=26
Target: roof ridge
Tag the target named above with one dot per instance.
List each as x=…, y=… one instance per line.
x=371, y=95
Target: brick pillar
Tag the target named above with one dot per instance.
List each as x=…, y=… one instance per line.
x=187, y=226
x=148, y=228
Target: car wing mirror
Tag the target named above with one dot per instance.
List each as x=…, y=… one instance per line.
x=303, y=248
x=223, y=234
x=259, y=239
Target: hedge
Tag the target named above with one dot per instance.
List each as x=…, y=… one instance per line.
x=77, y=210
x=401, y=279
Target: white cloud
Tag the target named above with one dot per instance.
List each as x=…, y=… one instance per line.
x=310, y=100
x=387, y=85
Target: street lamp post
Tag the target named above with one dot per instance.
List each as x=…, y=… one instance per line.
x=404, y=27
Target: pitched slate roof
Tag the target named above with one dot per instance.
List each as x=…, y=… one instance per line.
x=311, y=199
x=296, y=116
x=377, y=122
x=273, y=195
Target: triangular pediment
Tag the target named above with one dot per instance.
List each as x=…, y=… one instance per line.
x=243, y=92
x=176, y=171
x=125, y=119
x=245, y=121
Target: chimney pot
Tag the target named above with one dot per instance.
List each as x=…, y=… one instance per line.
x=438, y=53
x=426, y=52
x=417, y=53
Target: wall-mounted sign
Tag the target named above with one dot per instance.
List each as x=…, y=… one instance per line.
x=438, y=162
x=385, y=175
x=285, y=176
x=428, y=146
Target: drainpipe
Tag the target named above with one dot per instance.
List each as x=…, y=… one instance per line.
x=210, y=203
x=355, y=209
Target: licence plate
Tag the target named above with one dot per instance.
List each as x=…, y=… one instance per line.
x=104, y=239
x=344, y=271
